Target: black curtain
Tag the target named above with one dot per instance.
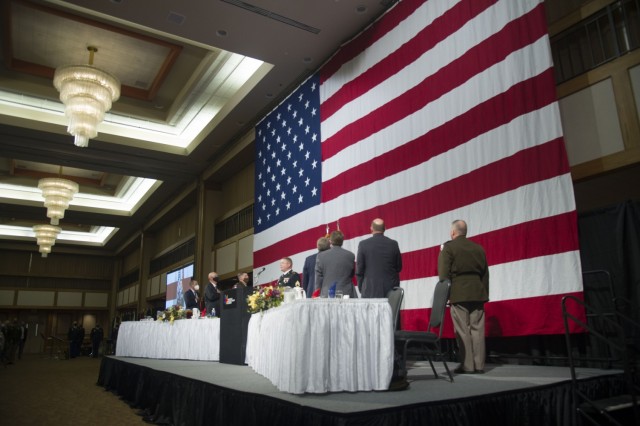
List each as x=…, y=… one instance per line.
x=610, y=255
x=610, y=241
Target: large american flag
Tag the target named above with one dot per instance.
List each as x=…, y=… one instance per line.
x=441, y=110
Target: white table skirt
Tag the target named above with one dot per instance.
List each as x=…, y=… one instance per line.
x=323, y=345
x=184, y=339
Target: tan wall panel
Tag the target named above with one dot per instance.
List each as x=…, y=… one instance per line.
x=226, y=259
x=590, y=122
x=163, y=283
x=6, y=297
x=97, y=300
x=35, y=298
x=69, y=298
x=245, y=252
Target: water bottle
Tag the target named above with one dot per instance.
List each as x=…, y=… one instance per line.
x=213, y=312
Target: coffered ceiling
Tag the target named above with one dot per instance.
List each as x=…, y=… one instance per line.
x=196, y=76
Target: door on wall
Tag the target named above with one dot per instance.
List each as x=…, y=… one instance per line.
x=36, y=322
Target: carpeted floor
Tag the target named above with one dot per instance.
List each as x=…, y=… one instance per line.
x=38, y=390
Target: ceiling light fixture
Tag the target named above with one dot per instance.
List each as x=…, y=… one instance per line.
x=46, y=237
x=87, y=93
x=57, y=193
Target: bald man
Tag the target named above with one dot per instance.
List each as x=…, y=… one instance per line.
x=465, y=264
x=378, y=264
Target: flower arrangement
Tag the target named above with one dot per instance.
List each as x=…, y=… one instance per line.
x=174, y=313
x=265, y=298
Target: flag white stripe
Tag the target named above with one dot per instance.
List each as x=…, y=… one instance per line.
x=404, y=32
x=473, y=33
x=531, y=129
x=486, y=85
x=513, y=280
x=486, y=215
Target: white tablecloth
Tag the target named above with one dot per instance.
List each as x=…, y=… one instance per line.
x=323, y=345
x=184, y=339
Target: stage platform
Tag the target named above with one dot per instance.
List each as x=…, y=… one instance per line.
x=210, y=393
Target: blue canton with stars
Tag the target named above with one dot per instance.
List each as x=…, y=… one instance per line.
x=288, y=158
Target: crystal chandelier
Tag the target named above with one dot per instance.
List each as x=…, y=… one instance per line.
x=87, y=93
x=46, y=237
x=57, y=193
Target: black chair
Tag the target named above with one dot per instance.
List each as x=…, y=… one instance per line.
x=429, y=340
x=395, y=296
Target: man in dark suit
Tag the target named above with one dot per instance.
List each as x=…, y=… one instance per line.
x=289, y=277
x=309, y=270
x=465, y=264
x=191, y=295
x=212, y=295
x=335, y=266
x=378, y=264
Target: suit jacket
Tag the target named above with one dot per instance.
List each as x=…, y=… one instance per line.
x=289, y=279
x=190, y=299
x=465, y=264
x=378, y=266
x=211, y=299
x=335, y=265
x=309, y=274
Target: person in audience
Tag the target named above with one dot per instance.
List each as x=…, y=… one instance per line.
x=12, y=340
x=3, y=359
x=97, y=334
x=309, y=269
x=73, y=336
x=465, y=264
x=378, y=264
x=191, y=295
x=335, y=266
x=212, y=295
x=289, y=277
x=24, y=332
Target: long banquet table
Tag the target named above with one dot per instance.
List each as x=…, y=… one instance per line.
x=191, y=339
x=323, y=345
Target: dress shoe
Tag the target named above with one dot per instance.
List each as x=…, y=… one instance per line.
x=398, y=385
x=461, y=370
x=479, y=372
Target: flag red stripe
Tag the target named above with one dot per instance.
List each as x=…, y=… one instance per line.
x=504, y=245
x=439, y=30
x=515, y=35
x=544, y=316
x=368, y=37
x=496, y=178
x=522, y=98
x=484, y=182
